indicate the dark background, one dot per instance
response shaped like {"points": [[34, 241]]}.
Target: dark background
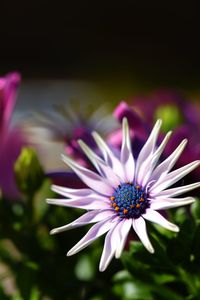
{"points": [[152, 42]]}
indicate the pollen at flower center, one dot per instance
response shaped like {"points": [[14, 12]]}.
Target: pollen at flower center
{"points": [[129, 200]]}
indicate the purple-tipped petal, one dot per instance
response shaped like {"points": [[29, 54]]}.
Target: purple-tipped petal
{"points": [[109, 156], [148, 168], [91, 179], [95, 232], [84, 202], [170, 203], [147, 151], [153, 216], [169, 162], [173, 177], [127, 159], [100, 165], [87, 218], [79, 193], [176, 191]]}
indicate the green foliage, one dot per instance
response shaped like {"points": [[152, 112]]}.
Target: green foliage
{"points": [[38, 268], [172, 272], [171, 116]]}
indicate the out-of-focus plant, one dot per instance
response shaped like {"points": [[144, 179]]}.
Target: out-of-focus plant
{"points": [[176, 111], [30, 259], [11, 138], [33, 265]]}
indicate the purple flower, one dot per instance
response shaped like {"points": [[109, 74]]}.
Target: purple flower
{"points": [[139, 129], [176, 112], [126, 193], [172, 106], [11, 139], [68, 123]]}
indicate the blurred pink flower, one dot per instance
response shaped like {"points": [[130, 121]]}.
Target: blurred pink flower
{"points": [[179, 114], [11, 139]]}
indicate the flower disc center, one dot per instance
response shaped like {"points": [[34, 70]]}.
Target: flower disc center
{"points": [[129, 200]]}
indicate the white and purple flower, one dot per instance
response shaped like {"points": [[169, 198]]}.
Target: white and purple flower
{"points": [[125, 193]]}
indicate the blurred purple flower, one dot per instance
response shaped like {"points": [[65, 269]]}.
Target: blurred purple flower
{"points": [[177, 113], [63, 126], [139, 129], [68, 123], [11, 139]]}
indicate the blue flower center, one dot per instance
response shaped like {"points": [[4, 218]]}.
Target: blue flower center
{"points": [[129, 200]]}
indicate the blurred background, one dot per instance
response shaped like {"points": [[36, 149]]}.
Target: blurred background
{"points": [[101, 53], [119, 48]]}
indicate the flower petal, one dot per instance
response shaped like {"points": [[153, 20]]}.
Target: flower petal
{"points": [[95, 231], [155, 217], [100, 165], [91, 179], [84, 203], [139, 226], [123, 233], [169, 162], [110, 246], [73, 193], [173, 177], [65, 179], [89, 217], [109, 157], [151, 163], [147, 151], [127, 159], [177, 190], [171, 202]]}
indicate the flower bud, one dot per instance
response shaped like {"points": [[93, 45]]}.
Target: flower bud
{"points": [[29, 173]]}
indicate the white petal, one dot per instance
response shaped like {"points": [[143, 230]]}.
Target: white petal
{"points": [[145, 154], [109, 157], [173, 177], [171, 202], [123, 233], [150, 164], [100, 165], [177, 191], [110, 246], [155, 217], [95, 231], [91, 179], [89, 217], [84, 203], [169, 162], [127, 159], [139, 226], [74, 193]]}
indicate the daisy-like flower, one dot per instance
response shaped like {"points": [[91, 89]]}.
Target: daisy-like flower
{"points": [[126, 193]]}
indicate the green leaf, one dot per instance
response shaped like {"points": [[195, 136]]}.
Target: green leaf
{"points": [[39, 204], [195, 210], [179, 248], [84, 268]]}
